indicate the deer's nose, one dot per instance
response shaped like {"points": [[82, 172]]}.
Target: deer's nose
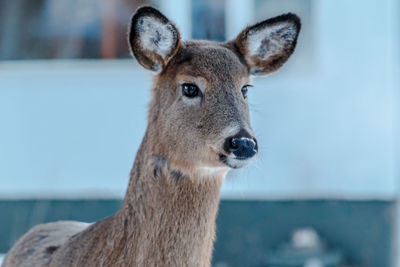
{"points": [[242, 145]]}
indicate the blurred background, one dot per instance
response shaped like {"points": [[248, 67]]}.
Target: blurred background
{"points": [[324, 189]]}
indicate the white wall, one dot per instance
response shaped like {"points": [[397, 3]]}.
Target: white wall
{"points": [[325, 126], [70, 127]]}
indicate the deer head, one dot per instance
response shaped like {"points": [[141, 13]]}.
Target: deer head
{"points": [[199, 115]]}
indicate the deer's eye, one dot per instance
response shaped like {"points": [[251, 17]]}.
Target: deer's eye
{"points": [[190, 90], [245, 89]]}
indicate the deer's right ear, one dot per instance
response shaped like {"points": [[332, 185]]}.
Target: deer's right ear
{"points": [[153, 39]]}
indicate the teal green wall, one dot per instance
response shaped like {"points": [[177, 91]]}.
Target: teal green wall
{"points": [[246, 230]]}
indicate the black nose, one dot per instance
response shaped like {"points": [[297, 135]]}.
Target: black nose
{"points": [[243, 146]]}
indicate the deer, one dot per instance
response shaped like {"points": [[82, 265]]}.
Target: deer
{"points": [[198, 129]]}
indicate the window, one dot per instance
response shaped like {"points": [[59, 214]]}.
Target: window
{"points": [[208, 19], [51, 29]]}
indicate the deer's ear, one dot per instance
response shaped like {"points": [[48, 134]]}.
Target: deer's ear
{"points": [[267, 45], [153, 39]]}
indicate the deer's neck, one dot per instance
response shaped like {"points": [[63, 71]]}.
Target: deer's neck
{"points": [[167, 219], [169, 215]]}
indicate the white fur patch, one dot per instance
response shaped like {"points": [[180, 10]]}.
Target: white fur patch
{"points": [[230, 130], [156, 36], [270, 40], [212, 171]]}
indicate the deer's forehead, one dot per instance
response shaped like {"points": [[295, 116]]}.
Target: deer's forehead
{"points": [[212, 61]]}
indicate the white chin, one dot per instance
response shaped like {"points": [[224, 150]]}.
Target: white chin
{"points": [[235, 163]]}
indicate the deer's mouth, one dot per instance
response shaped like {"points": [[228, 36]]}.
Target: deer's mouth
{"points": [[234, 162]]}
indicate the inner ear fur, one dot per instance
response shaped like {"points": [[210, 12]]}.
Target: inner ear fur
{"points": [[153, 39], [265, 46]]}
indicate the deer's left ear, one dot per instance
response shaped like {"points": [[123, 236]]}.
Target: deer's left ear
{"points": [[153, 38], [267, 45]]}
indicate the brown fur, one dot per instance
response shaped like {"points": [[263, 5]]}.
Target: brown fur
{"points": [[168, 214]]}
